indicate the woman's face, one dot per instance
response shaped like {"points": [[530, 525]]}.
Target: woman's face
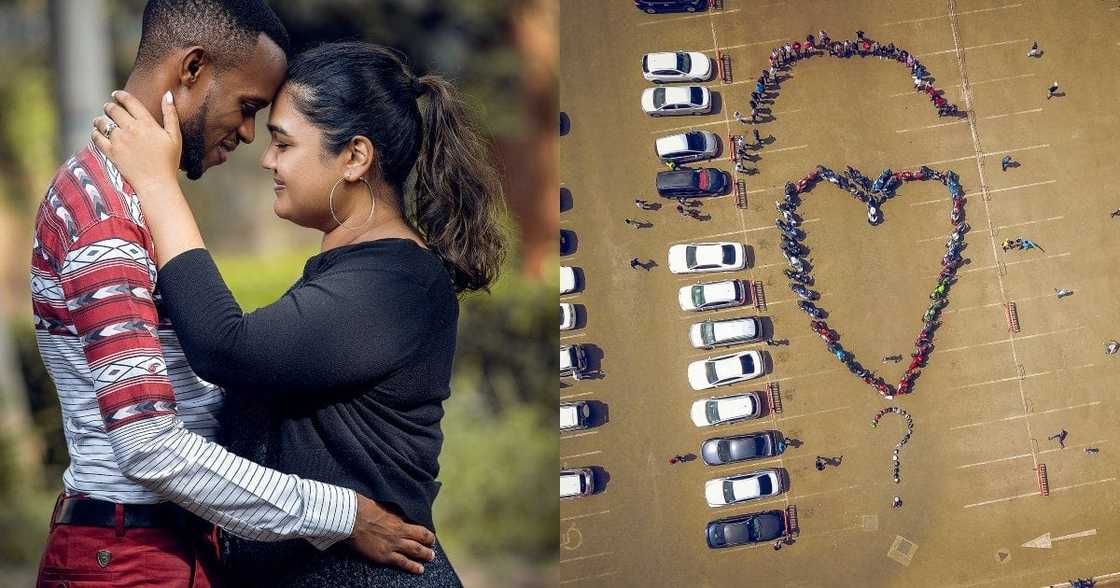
{"points": [[302, 172]]}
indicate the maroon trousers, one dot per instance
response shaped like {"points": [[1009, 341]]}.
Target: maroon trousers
{"points": [[105, 557]]}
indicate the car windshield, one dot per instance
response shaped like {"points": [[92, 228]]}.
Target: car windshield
{"points": [[690, 256], [697, 95], [695, 141], [711, 408], [728, 254], [707, 332], [756, 528], [710, 370], [658, 97], [723, 450], [698, 296], [748, 364], [684, 63], [645, 63], [728, 491], [764, 486]]}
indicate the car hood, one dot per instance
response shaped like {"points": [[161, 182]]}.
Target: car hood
{"points": [[768, 526], [684, 298], [697, 375], [647, 100], [677, 258], [713, 492], [701, 65]]}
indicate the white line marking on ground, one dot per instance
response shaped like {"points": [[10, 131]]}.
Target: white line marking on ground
{"points": [[602, 575], [989, 154], [672, 19], [583, 557], [794, 148], [794, 416], [1025, 415], [573, 436], [888, 24], [589, 453], [574, 336], [990, 191], [686, 127], [963, 122], [1020, 456], [1035, 493], [1022, 224], [584, 516], [569, 396], [991, 81], [946, 51], [1008, 340]]}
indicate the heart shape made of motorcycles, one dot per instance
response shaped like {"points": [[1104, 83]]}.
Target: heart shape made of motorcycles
{"points": [[873, 195]]}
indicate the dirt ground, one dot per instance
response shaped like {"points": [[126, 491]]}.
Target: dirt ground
{"points": [[988, 401]]}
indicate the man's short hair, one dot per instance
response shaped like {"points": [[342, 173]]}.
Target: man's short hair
{"points": [[226, 29]]}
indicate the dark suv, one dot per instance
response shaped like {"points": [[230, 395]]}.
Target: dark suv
{"points": [[655, 6], [692, 182]]}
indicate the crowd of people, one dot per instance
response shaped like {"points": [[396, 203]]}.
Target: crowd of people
{"points": [[873, 194], [905, 437]]}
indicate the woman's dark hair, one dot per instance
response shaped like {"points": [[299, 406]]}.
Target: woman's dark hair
{"points": [[358, 89]]}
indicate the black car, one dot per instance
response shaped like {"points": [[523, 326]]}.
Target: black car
{"points": [[692, 182], [567, 242], [755, 527], [724, 450], [655, 6]]}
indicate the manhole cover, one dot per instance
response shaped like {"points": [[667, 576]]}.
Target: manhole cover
{"points": [[1003, 555], [902, 550]]}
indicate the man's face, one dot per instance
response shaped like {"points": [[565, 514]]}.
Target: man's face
{"points": [[227, 115]]}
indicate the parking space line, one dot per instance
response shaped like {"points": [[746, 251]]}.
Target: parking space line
{"points": [[569, 396], [672, 19], [589, 453], [1025, 415], [1008, 340], [583, 516], [573, 336], [1043, 452], [686, 127], [1018, 300], [913, 20], [1001, 380], [962, 122], [738, 232], [985, 46], [741, 45], [583, 557], [1023, 224], [1007, 263], [809, 375], [801, 496], [794, 148], [584, 434], [602, 575], [990, 191], [794, 416], [1035, 493], [995, 116], [989, 154], [991, 81]]}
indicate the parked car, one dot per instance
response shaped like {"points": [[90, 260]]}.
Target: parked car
{"points": [[743, 488], [713, 295], [725, 450], [709, 334], [569, 282], [707, 181], [575, 415], [687, 147], [755, 527], [726, 409], [576, 482], [676, 66], [725, 370], [694, 258], [573, 361], [676, 101], [567, 316], [655, 6]]}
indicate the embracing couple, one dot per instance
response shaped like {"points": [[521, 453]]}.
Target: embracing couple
{"points": [[327, 402]]}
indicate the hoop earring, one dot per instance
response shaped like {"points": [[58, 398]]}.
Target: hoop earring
{"points": [[372, 203]]}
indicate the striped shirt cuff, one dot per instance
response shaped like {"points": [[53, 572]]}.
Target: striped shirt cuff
{"points": [[331, 512]]}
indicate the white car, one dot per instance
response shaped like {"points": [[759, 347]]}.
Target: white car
{"points": [[709, 334], [567, 316], [575, 415], [677, 66], [576, 482], [713, 295], [568, 281], [726, 409], [744, 487], [676, 100], [573, 361], [697, 258], [687, 147], [724, 370]]}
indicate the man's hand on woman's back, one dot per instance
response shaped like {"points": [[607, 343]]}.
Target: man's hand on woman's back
{"points": [[382, 536]]}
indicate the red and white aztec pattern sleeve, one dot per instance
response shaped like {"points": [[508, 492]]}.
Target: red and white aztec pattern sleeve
{"points": [[107, 278]]}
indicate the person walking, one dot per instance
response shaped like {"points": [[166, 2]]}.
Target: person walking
{"points": [[635, 263], [820, 464], [738, 117], [1112, 347], [1005, 162], [643, 204], [1034, 50], [1060, 437], [637, 224], [1114, 214], [897, 503], [1006, 245], [1052, 91], [758, 141]]}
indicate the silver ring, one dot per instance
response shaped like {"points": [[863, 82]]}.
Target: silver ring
{"points": [[109, 128]]}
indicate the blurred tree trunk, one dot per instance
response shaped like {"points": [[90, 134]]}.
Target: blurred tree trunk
{"points": [[20, 449], [82, 65]]}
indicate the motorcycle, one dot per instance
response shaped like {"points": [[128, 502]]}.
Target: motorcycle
{"points": [[958, 211], [881, 181], [795, 262], [873, 215], [803, 292], [811, 310], [802, 277]]}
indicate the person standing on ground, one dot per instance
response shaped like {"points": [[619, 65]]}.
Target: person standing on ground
{"points": [[634, 263], [738, 117], [1034, 51], [1052, 91], [1005, 162]]}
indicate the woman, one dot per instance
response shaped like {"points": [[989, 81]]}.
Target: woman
{"points": [[343, 378]]}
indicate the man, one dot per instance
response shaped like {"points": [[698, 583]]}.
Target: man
{"points": [[138, 422]]}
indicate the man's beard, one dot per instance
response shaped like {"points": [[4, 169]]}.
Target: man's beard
{"points": [[194, 143]]}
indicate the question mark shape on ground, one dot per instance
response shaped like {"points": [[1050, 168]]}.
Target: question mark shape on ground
{"points": [[896, 463]]}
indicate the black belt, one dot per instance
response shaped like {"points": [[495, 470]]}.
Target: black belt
{"points": [[90, 512]]}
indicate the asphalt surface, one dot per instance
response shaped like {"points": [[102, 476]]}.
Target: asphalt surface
{"points": [[985, 405]]}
